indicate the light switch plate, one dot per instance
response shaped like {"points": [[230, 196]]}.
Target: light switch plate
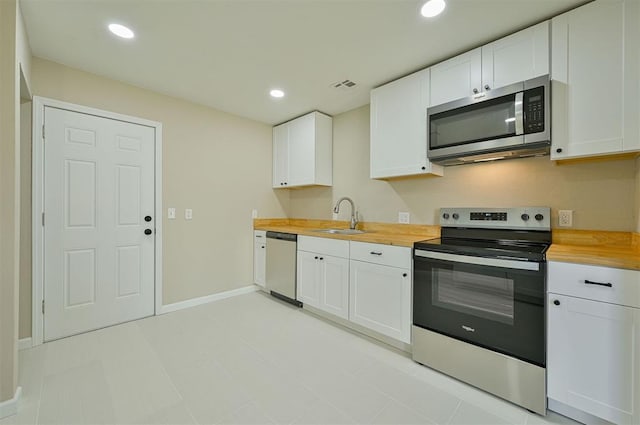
{"points": [[171, 213], [188, 214], [403, 217]]}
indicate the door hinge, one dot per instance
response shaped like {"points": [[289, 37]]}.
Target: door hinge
{"points": [[43, 219], [42, 306], [42, 131]]}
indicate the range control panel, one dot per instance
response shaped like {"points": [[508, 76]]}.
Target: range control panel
{"points": [[532, 218]]}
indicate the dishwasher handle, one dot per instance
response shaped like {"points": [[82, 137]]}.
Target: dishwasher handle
{"points": [[282, 236]]}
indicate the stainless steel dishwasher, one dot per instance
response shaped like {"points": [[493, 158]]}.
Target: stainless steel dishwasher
{"points": [[281, 266]]}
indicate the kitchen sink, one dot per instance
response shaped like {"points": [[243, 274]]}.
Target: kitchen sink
{"points": [[341, 231]]}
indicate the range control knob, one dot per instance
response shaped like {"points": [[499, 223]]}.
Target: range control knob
{"points": [[539, 217], [525, 217], [456, 216], [445, 216]]}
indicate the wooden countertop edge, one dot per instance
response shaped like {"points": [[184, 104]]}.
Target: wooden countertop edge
{"points": [[382, 233], [589, 247]]}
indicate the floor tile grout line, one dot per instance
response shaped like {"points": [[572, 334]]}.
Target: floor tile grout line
{"points": [[164, 370], [454, 412]]}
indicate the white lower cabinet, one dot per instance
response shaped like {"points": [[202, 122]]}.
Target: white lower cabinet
{"points": [[381, 299], [323, 275], [366, 284], [593, 354], [259, 257], [380, 295]]}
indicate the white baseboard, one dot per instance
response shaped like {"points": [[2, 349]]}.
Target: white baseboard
{"points": [[24, 343], [207, 299], [10, 407]]}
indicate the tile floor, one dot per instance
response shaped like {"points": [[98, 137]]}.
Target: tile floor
{"points": [[244, 360]]}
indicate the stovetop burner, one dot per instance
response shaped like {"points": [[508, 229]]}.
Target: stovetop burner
{"points": [[514, 233]]}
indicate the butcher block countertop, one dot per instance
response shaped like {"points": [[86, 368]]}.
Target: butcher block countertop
{"points": [[383, 233], [591, 247], [596, 248]]}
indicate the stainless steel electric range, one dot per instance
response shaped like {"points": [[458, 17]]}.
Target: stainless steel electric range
{"points": [[479, 301]]}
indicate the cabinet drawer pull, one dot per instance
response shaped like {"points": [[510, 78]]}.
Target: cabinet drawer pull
{"points": [[590, 282], [375, 253]]}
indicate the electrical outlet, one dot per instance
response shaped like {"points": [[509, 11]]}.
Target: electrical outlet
{"points": [[171, 213], [403, 217], [565, 218], [254, 213], [188, 214]]}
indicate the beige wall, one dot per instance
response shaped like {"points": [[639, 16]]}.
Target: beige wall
{"points": [[213, 162], [10, 196], [601, 194]]}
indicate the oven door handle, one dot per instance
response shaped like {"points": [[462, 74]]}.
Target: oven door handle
{"points": [[481, 261]]}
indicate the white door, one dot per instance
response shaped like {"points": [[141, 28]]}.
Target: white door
{"points": [[334, 285], [98, 190], [592, 356], [398, 127], [456, 78], [380, 299], [308, 281]]}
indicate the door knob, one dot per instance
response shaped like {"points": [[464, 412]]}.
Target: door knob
{"points": [[147, 218], [147, 231]]}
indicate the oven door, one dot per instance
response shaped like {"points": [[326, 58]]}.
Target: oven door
{"points": [[494, 303]]}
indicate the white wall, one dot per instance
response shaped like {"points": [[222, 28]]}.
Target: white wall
{"points": [[600, 193]]}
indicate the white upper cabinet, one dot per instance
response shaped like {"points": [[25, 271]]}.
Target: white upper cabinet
{"points": [[399, 129], [456, 78], [595, 80], [303, 151], [517, 57]]}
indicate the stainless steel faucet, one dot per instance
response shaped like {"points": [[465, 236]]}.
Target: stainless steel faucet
{"points": [[354, 213]]}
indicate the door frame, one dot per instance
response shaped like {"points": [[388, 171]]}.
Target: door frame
{"points": [[37, 206]]}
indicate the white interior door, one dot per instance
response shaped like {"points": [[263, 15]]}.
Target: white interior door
{"points": [[98, 194]]}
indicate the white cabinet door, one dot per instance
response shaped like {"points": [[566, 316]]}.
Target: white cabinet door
{"points": [[398, 128], [456, 78], [302, 151], [334, 285], [593, 357], [594, 71], [308, 279], [259, 258], [515, 58], [380, 299], [280, 155]]}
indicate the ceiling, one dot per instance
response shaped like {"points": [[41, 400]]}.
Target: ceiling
{"points": [[228, 54]]}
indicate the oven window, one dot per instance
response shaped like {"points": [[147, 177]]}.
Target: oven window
{"points": [[488, 297]]}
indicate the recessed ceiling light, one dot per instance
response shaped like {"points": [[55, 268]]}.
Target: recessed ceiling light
{"points": [[432, 8], [121, 31], [276, 93]]}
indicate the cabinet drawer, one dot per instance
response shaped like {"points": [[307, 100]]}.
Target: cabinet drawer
{"points": [[388, 255], [260, 235], [326, 246], [570, 279]]}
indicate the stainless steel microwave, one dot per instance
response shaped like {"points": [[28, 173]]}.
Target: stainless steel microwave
{"points": [[508, 122]]}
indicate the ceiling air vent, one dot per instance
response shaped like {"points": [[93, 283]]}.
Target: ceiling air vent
{"points": [[344, 85]]}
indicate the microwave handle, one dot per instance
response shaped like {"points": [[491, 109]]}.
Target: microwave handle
{"points": [[519, 114]]}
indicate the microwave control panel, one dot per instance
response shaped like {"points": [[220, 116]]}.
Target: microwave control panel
{"points": [[534, 110]]}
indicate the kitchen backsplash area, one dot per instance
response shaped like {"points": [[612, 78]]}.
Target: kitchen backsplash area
{"points": [[602, 194]]}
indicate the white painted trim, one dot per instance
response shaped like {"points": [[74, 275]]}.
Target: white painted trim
{"points": [[37, 205], [24, 343], [10, 407], [208, 299]]}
